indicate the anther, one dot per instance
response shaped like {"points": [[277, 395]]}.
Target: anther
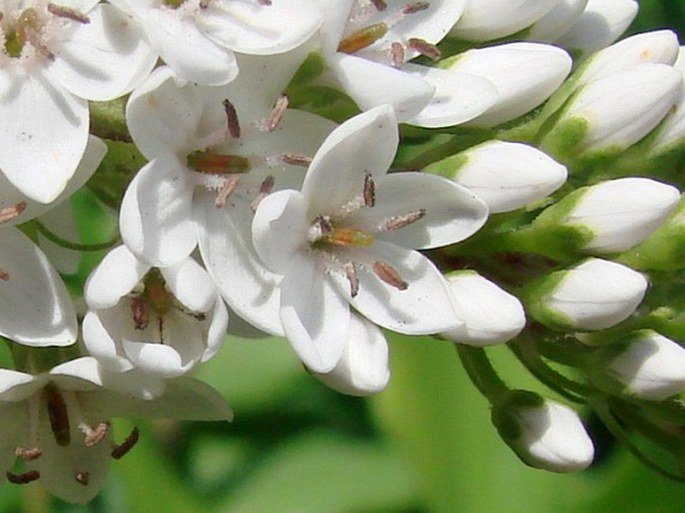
{"points": [[369, 191], [139, 312], [296, 160], [82, 477], [265, 189], [9, 213], [204, 4], [58, 415], [352, 277], [68, 13], [95, 435], [277, 113], [380, 5], [122, 449], [389, 275], [414, 7], [264, 2], [397, 55], [229, 185], [362, 38], [397, 222], [323, 224], [4, 275], [425, 48], [26, 477], [27, 454], [231, 119]]}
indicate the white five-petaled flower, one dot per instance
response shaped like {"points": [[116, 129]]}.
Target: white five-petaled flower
{"points": [[161, 320], [58, 422], [53, 59], [345, 241]]}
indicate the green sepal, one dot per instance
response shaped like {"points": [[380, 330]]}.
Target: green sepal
{"points": [[448, 167], [505, 414]]}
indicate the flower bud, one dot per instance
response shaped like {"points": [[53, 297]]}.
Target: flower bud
{"points": [[649, 365], [483, 20], [490, 315], [615, 111], [543, 433], [593, 295], [602, 22], [525, 75], [506, 175], [672, 131], [558, 21]]}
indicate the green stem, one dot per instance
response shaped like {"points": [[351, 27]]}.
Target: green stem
{"points": [[481, 372], [52, 237]]}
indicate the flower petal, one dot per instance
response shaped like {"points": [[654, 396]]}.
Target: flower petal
{"points": [[191, 285], [116, 276]]}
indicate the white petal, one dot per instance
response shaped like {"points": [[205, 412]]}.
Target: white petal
{"points": [[191, 285], [18, 386], [116, 276], [103, 59], [315, 316], [216, 335], [558, 21], [157, 359], [102, 341], [36, 162], [156, 213], [36, 307]]}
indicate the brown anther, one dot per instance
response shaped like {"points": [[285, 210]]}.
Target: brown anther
{"points": [[323, 224], [389, 275], [139, 311], [25, 478], [352, 277], [425, 48], [277, 113], [9, 213], [231, 119], [1, 16], [414, 7], [265, 189], [296, 160], [380, 5], [397, 222], [397, 55], [4, 275], [369, 191], [264, 2], [68, 13], [28, 454], [33, 38], [204, 4], [95, 435], [82, 477], [122, 449], [57, 415], [229, 185]]}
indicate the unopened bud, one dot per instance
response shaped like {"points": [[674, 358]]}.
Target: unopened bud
{"points": [[557, 22]]}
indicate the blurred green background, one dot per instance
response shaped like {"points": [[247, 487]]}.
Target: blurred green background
{"points": [[425, 445]]}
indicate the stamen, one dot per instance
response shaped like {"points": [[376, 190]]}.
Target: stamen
{"points": [[231, 119], [362, 38], [369, 191], [9, 213], [95, 435], [414, 7], [425, 48], [218, 164], [58, 415], [296, 160], [397, 222], [389, 275], [379, 5], [204, 4], [82, 477], [397, 55], [323, 224], [141, 316], [352, 277], [122, 449], [27, 454], [29, 34], [265, 189], [69, 13], [4, 275], [229, 185], [264, 2], [277, 113], [25, 478]]}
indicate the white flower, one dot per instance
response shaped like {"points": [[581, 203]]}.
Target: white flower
{"points": [[197, 38], [506, 175], [593, 295], [490, 314], [344, 241], [558, 21], [202, 183], [484, 20], [161, 320], [650, 365], [58, 422], [367, 49], [524, 74], [544, 433], [54, 58]]}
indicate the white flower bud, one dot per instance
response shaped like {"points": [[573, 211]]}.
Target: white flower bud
{"points": [[558, 21], [593, 295], [543, 433], [483, 20], [602, 22], [621, 213], [490, 315], [616, 111], [525, 75], [506, 175], [651, 366], [672, 131]]}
